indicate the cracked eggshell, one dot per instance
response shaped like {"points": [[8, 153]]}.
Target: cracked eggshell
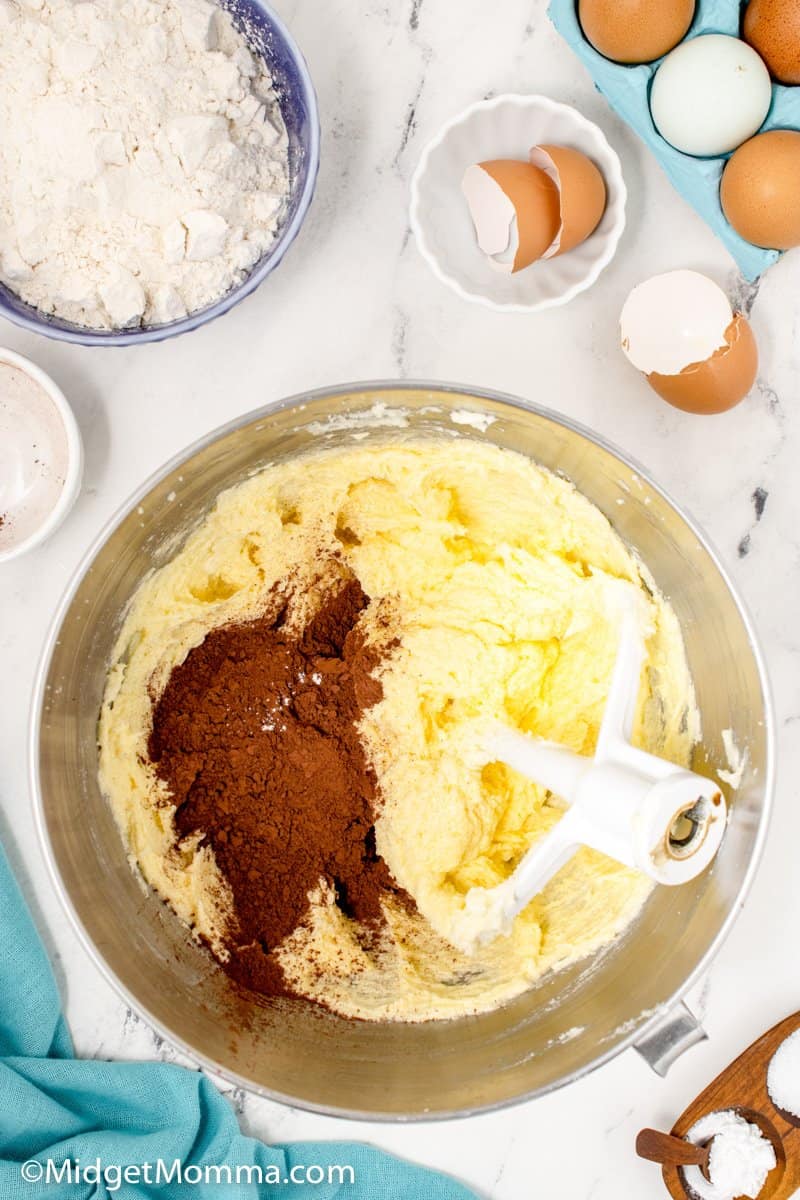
{"points": [[680, 331], [720, 382], [582, 194], [515, 210]]}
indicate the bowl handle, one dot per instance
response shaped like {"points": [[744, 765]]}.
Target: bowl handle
{"points": [[677, 1031]]}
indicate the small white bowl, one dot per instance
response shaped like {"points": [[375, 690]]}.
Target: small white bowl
{"points": [[507, 127], [41, 459]]}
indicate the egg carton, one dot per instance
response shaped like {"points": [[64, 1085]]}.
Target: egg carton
{"points": [[627, 89]]}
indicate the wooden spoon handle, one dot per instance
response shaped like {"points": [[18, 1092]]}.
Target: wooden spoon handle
{"points": [[664, 1148]]}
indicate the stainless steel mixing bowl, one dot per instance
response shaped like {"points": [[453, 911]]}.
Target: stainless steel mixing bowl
{"points": [[571, 1022]]}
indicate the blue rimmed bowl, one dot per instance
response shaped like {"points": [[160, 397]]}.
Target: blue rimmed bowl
{"points": [[268, 37]]}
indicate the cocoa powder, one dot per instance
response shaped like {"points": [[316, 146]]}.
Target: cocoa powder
{"points": [[255, 736]]}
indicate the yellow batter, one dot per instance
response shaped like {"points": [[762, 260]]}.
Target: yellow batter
{"points": [[492, 571]]}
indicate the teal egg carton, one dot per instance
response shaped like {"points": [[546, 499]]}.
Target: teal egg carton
{"points": [[627, 90]]}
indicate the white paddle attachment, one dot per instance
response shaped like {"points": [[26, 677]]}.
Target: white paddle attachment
{"points": [[632, 806]]}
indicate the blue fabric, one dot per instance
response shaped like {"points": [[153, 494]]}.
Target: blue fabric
{"points": [[53, 1106], [627, 90]]}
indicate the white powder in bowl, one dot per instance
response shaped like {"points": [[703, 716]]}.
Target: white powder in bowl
{"points": [[34, 456], [143, 162], [783, 1075], [740, 1158]]}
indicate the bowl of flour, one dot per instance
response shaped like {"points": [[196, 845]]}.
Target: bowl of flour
{"points": [[158, 159]]}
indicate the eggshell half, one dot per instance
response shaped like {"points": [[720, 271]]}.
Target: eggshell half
{"points": [[582, 194], [674, 320], [718, 383], [513, 203]]}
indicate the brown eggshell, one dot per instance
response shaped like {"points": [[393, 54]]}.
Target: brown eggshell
{"points": [[536, 202], [772, 27], [720, 382], [583, 195], [635, 31], [760, 190]]}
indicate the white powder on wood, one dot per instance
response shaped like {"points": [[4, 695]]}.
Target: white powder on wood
{"points": [[143, 160], [783, 1075], [740, 1158]]}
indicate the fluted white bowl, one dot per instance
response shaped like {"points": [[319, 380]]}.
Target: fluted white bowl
{"points": [[507, 127]]}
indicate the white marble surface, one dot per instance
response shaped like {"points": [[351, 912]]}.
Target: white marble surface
{"points": [[354, 301]]}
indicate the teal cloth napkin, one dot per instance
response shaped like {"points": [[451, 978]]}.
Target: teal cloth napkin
{"points": [[627, 89], [54, 1106]]}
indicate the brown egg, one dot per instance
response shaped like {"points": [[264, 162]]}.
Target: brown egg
{"points": [[772, 27], [720, 382], [680, 331], [582, 192], [635, 31], [760, 190], [522, 191]]}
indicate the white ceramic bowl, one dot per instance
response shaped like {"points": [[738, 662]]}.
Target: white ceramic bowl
{"points": [[41, 462], [507, 127]]}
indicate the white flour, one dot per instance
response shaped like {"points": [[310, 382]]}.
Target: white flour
{"points": [[34, 456], [739, 1162], [143, 160], [783, 1075]]}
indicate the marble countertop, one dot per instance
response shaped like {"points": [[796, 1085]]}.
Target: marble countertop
{"points": [[355, 301]]}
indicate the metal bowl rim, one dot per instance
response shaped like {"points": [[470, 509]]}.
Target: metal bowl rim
{"points": [[300, 401]]}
